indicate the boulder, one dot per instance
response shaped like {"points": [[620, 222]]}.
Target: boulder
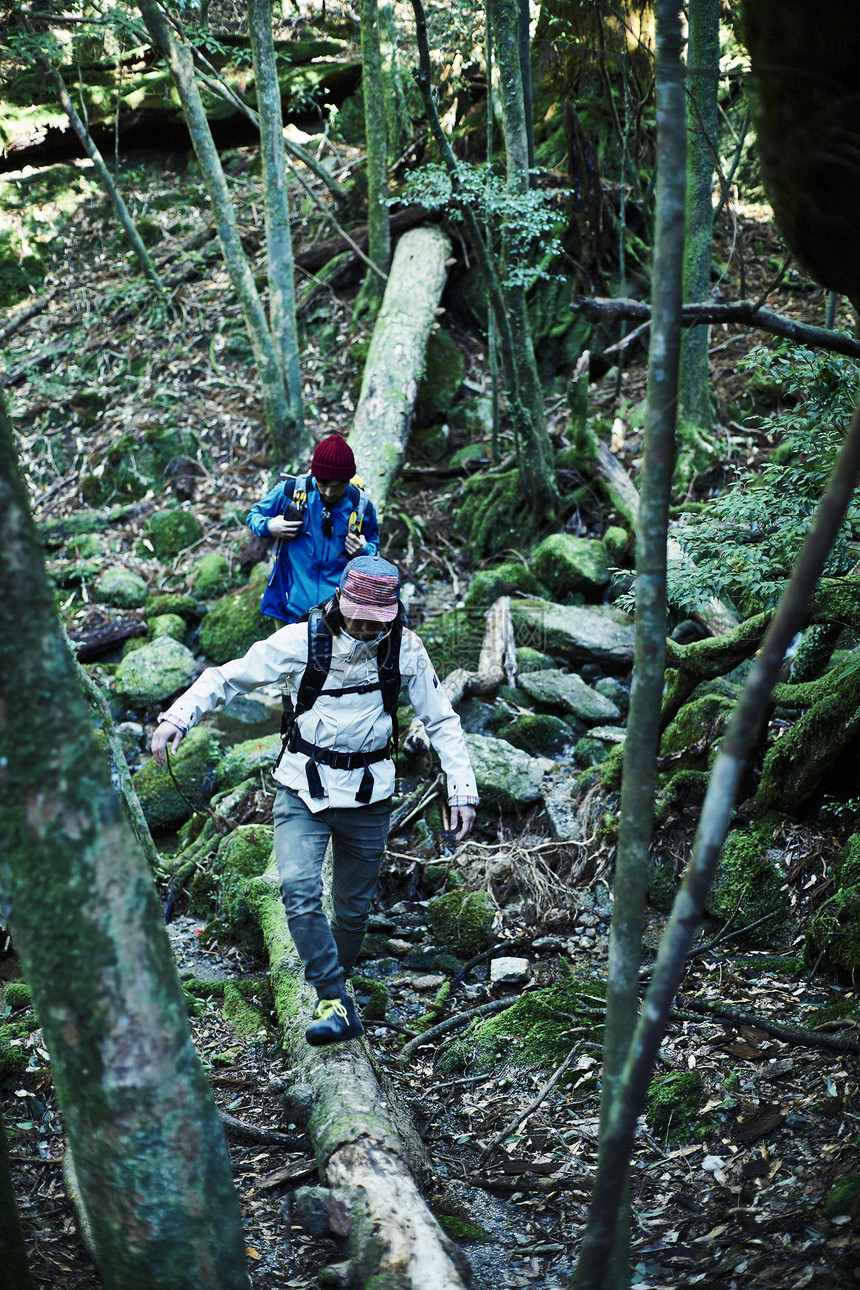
{"points": [[598, 634], [567, 691], [566, 564], [164, 806], [167, 625], [250, 757], [153, 673], [121, 587], [539, 734], [507, 777], [234, 625], [170, 532], [211, 575]]}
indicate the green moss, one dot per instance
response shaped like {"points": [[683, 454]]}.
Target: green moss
{"points": [[672, 1105], [166, 625], [376, 1005], [185, 607], [590, 752], [847, 867], [211, 575], [443, 376], [697, 718], [748, 885], [662, 885], [164, 805], [502, 580], [842, 1198], [17, 995], [220, 890], [247, 1005], [495, 515], [234, 625], [463, 921], [121, 587], [171, 532], [566, 564], [835, 930], [685, 788], [536, 1030], [460, 1230], [250, 758]]}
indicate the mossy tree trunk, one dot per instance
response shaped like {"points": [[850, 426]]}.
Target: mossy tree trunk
{"points": [[279, 239], [362, 1148], [142, 1127], [396, 115], [376, 138], [607, 1235], [703, 71], [287, 436], [505, 19]]}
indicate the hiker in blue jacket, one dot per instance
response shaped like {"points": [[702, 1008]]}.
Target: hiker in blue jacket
{"points": [[321, 521]]}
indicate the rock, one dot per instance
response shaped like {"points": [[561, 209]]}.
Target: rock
{"points": [[242, 855], [245, 718], [566, 690], [166, 625], [476, 717], [501, 580], [172, 602], [611, 688], [595, 635], [398, 948], [234, 625], [463, 921], [539, 735], [618, 544], [130, 734], [251, 757], [170, 532], [510, 971], [561, 813], [121, 587], [211, 575], [164, 807], [154, 672], [608, 734], [507, 778], [566, 564]]}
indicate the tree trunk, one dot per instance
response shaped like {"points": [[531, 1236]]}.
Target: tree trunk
{"points": [[536, 451], [376, 138], [703, 71], [279, 241], [288, 443], [394, 1243], [14, 1269], [643, 725], [144, 1132], [396, 114], [396, 358]]}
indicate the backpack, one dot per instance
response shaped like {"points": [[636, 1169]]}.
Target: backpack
{"points": [[296, 488], [311, 687]]}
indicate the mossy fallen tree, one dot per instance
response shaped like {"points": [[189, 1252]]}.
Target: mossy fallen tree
{"points": [[394, 1243], [396, 357]]}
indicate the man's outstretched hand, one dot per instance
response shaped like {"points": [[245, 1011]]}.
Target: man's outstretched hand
{"points": [[462, 819], [166, 736]]}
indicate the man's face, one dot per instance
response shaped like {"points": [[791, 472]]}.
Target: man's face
{"points": [[363, 629], [331, 490]]}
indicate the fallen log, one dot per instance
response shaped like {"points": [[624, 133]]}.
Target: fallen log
{"points": [[107, 636], [396, 357], [394, 1242]]}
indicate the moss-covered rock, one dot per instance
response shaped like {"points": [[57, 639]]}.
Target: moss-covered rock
{"points": [[534, 1031], [234, 625], [566, 564], [843, 1197], [541, 736], [598, 634], [185, 607], [171, 532], [371, 997], [153, 673], [501, 580], [164, 805], [167, 625], [220, 890], [847, 867], [705, 716], [567, 692], [835, 930], [17, 995], [211, 576], [618, 545], [247, 1006], [673, 1104], [462, 921], [249, 758], [507, 777], [749, 884], [121, 587], [532, 660]]}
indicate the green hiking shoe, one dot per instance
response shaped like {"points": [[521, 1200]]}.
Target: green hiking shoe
{"points": [[334, 1021]]}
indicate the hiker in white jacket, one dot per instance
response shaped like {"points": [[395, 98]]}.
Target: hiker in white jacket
{"points": [[335, 776]]}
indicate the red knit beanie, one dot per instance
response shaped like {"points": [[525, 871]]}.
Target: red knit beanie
{"points": [[333, 459]]}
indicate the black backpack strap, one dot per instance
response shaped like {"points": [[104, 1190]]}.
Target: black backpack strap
{"points": [[390, 680], [318, 664]]}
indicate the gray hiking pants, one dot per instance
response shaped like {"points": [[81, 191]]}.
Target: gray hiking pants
{"points": [[358, 835]]}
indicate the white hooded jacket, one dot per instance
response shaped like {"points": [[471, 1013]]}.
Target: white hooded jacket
{"points": [[351, 723]]}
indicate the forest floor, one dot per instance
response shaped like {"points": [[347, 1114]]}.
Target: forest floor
{"points": [[734, 1199]]}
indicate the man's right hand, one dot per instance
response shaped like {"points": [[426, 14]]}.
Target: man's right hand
{"points": [[285, 529], [166, 735]]}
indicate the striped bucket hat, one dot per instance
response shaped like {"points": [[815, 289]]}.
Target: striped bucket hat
{"points": [[369, 588]]}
